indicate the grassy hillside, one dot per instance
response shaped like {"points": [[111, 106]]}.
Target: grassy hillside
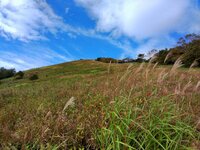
{"points": [[93, 105]]}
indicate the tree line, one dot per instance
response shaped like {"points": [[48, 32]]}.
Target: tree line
{"points": [[140, 58], [7, 73], [187, 50]]}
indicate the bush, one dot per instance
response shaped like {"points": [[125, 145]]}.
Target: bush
{"points": [[140, 58], [19, 75], [192, 53], [161, 55], [6, 73], [33, 77], [107, 60], [188, 49]]}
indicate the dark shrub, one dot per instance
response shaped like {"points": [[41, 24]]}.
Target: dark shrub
{"points": [[107, 60], [187, 49], [6, 73], [33, 77], [19, 75], [192, 53], [140, 58]]}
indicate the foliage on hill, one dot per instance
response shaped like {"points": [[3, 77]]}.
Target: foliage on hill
{"points": [[33, 76], [140, 58], [107, 60], [6, 73], [19, 75], [187, 49]]}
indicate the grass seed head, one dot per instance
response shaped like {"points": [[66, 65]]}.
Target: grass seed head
{"points": [[176, 65], [194, 64], [186, 87], [70, 102], [197, 86]]}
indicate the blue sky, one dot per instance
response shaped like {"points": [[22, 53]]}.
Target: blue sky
{"points": [[35, 33]]}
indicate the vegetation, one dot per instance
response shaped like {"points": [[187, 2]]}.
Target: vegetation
{"points": [[33, 76], [121, 61], [188, 49], [94, 105], [19, 75], [107, 60], [6, 73]]}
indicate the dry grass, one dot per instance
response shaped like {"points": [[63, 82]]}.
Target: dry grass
{"points": [[114, 98]]}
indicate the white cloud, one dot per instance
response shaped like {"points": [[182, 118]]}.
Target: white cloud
{"points": [[156, 43], [140, 19], [7, 64], [27, 19], [24, 59]]}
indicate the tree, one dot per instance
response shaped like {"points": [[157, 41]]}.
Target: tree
{"points": [[141, 56], [192, 37], [106, 60], [181, 42], [19, 75], [188, 50], [6, 73], [152, 52], [161, 55], [192, 53]]}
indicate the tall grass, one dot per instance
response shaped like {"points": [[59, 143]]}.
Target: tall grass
{"points": [[138, 127], [143, 106], [149, 121]]}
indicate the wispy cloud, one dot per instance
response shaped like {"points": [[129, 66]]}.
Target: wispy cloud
{"points": [[92, 33], [33, 58], [28, 19], [7, 64]]}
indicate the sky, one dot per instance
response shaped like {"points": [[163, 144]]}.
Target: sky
{"points": [[36, 33]]}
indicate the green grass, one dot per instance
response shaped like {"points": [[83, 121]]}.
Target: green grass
{"points": [[127, 129], [117, 106]]}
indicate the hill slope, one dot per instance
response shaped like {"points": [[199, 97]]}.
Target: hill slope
{"points": [[89, 104]]}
